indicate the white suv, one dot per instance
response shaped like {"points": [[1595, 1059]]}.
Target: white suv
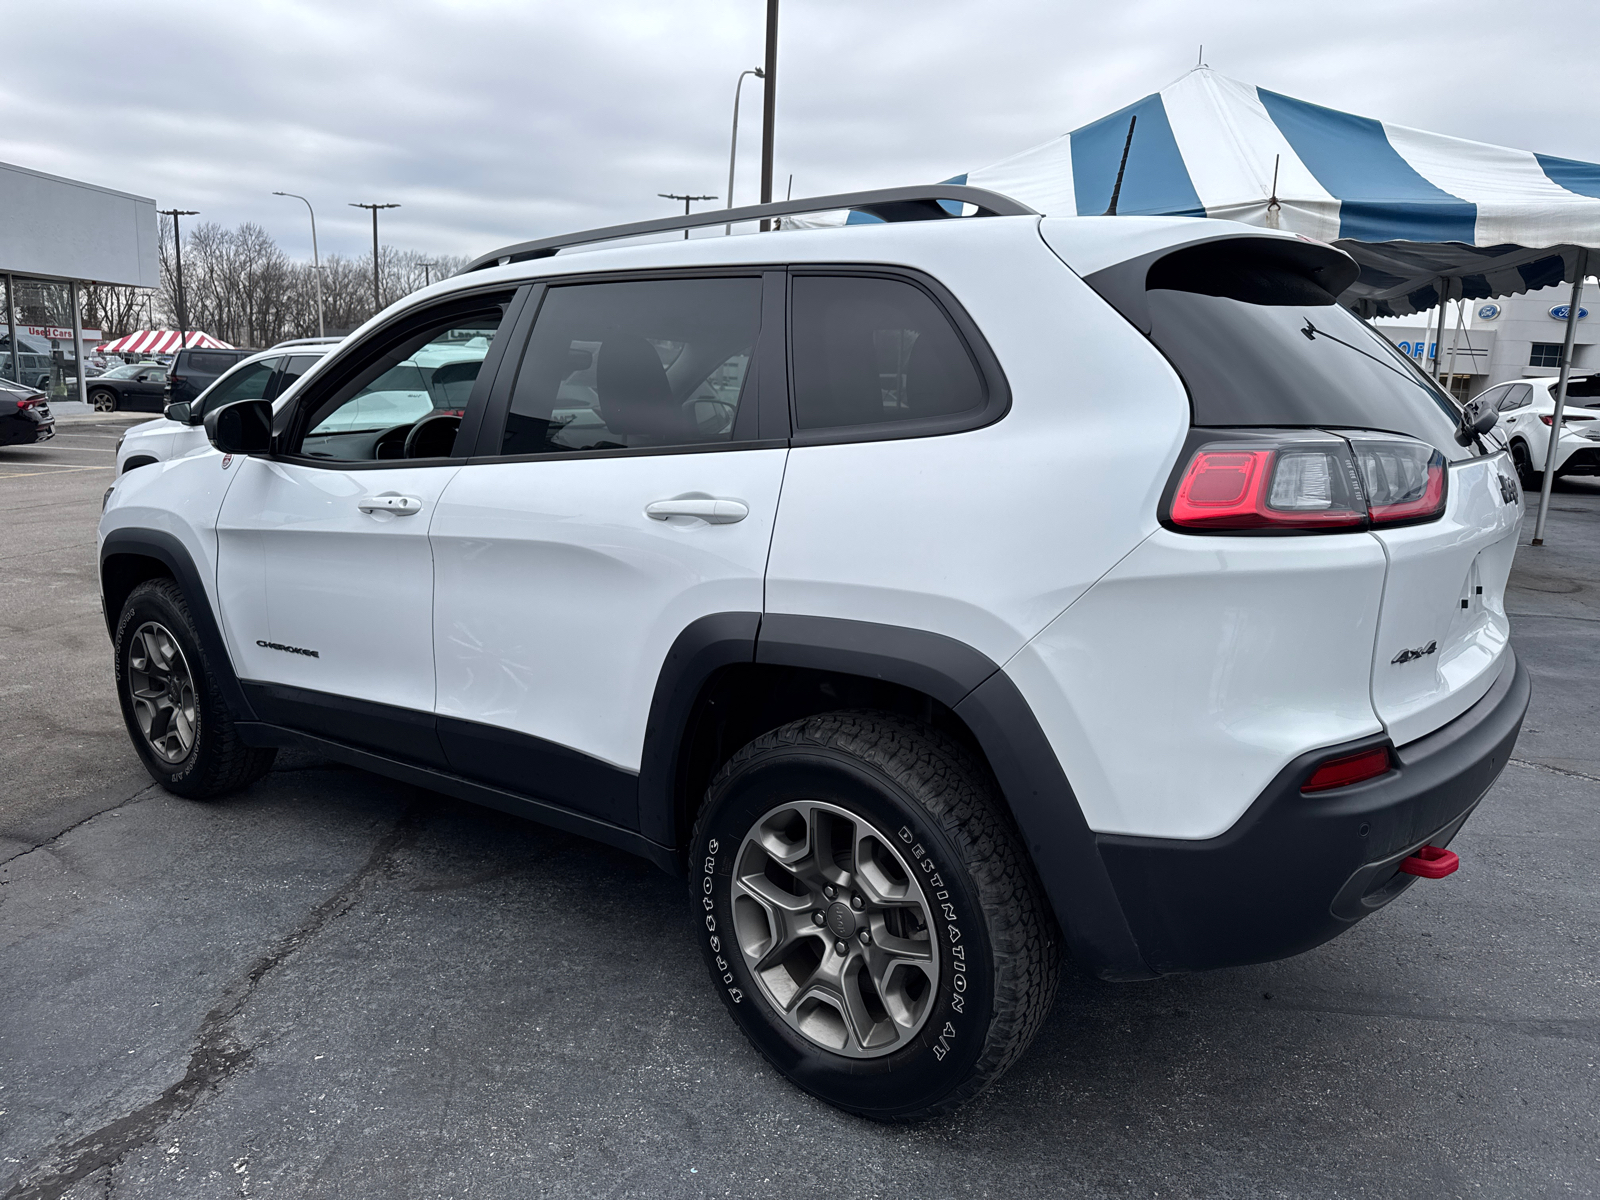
{"points": [[935, 595], [180, 429]]}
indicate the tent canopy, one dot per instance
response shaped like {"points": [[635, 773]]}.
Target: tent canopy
{"points": [[160, 341], [1408, 205]]}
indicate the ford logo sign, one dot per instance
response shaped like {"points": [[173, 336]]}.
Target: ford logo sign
{"points": [[1488, 312], [1559, 312]]}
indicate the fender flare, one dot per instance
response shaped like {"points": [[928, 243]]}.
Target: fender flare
{"points": [[1031, 778], [171, 553]]}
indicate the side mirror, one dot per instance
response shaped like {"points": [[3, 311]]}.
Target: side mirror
{"points": [[243, 427], [178, 412], [1476, 420]]}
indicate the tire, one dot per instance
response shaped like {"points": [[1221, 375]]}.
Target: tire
{"points": [[1531, 480], [103, 401], [170, 701], [910, 815]]}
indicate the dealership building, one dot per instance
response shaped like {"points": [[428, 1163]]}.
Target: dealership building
{"points": [[58, 235], [1511, 338]]}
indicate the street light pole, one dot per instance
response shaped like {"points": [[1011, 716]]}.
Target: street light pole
{"points": [[733, 144], [685, 199], [316, 263], [177, 252], [769, 107], [425, 280], [377, 296]]}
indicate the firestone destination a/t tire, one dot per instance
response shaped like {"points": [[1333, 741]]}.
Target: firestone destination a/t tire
{"points": [[167, 687], [868, 914]]}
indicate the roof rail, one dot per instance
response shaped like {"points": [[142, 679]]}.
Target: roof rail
{"points": [[889, 204]]}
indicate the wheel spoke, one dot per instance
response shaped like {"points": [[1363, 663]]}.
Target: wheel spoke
{"points": [[160, 689]]}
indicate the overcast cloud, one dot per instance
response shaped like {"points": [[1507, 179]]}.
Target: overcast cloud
{"points": [[492, 121]]}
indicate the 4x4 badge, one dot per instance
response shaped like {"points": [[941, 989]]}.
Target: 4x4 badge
{"points": [[1406, 656]]}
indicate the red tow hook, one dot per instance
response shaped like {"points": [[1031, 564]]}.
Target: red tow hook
{"points": [[1431, 862]]}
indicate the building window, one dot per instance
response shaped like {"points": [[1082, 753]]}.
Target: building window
{"points": [[1545, 354]]}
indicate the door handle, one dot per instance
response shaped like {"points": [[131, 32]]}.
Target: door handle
{"points": [[399, 506], [713, 512]]}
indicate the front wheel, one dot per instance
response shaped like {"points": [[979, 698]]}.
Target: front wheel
{"points": [[869, 916], [103, 401], [1531, 479], [167, 687]]}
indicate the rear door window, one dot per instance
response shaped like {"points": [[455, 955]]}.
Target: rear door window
{"points": [[1519, 395], [245, 383], [868, 351], [636, 365]]}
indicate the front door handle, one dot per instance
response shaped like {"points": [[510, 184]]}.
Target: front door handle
{"points": [[399, 506], [713, 512]]}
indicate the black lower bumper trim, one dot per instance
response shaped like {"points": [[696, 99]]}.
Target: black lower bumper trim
{"points": [[1299, 869]]}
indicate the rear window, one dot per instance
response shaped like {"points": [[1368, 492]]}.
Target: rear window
{"points": [[1261, 343], [204, 360]]}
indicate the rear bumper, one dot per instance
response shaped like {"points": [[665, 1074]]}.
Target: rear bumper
{"points": [[1583, 461], [1297, 870]]}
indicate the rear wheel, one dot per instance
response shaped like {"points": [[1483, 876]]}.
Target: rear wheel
{"points": [[103, 400], [170, 701], [1531, 479], [869, 916]]}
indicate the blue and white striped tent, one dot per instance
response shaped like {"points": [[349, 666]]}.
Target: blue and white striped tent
{"points": [[1412, 207]]}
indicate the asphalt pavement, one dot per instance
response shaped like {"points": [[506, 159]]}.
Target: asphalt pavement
{"points": [[335, 985]]}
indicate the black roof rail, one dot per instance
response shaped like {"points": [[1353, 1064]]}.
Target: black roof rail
{"points": [[891, 204]]}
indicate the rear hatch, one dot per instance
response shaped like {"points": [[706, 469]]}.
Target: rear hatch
{"points": [[1274, 366]]}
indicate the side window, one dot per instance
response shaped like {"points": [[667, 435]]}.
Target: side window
{"points": [[290, 371], [614, 366], [406, 400], [243, 383], [868, 350], [1519, 396]]}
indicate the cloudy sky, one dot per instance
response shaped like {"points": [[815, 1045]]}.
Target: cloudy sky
{"points": [[492, 121]]}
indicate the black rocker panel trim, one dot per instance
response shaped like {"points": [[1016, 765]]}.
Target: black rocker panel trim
{"points": [[555, 816], [170, 552], [1296, 870], [704, 647], [532, 766], [1025, 765], [383, 728], [503, 759]]}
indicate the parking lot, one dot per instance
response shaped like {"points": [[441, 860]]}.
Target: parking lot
{"points": [[333, 984]]}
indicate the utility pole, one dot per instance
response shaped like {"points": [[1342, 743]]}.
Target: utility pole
{"points": [[425, 266], [733, 143], [686, 200], [177, 252], [769, 107], [377, 295], [316, 263]]}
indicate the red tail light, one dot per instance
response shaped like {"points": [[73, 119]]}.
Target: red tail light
{"points": [[1550, 418], [1353, 768], [1309, 484], [29, 402]]}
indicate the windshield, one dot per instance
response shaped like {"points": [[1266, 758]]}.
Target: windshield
{"points": [[1296, 365], [125, 372]]}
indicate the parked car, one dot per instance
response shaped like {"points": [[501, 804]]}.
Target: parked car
{"points": [[936, 596], [140, 387], [193, 371], [25, 416], [33, 370], [1527, 409], [264, 376]]}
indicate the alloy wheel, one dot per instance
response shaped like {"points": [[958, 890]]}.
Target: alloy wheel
{"points": [[835, 928], [104, 402], [162, 690]]}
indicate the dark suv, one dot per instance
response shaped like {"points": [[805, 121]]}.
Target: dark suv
{"points": [[193, 371]]}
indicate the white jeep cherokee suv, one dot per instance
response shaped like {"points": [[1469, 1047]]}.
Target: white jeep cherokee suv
{"points": [[937, 596]]}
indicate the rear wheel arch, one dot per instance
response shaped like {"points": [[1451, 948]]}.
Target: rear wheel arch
{"points": [[733, 677]]}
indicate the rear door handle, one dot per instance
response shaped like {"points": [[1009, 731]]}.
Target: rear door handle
{"points": [[714, 512], [399, 506]]}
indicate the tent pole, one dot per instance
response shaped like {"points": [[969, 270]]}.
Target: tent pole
{"points": [[1438, 338], [1561, 396]]}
